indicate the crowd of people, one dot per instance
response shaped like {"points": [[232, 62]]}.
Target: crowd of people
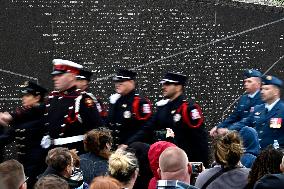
{"points": [[70, 140]]}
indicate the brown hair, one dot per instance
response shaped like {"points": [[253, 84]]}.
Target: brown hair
{"points": [[96, 140], [105, 182], [228, 149], [51, 182], [11, 174], [58, 158], [267, 162]]}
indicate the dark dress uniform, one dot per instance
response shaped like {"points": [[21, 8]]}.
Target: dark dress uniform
{"points": [[26, 129], [127, 115], [184, 118], [69, 115], [245, 104], [268, 124], [187, 122]]}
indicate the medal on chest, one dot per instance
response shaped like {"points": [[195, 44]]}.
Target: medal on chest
{"points": [[275, 123], [127, 114], [177, 117]]}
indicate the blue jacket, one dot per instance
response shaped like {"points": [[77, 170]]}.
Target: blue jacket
{"points": [[261, 121], [251, 146], [242, 110]]}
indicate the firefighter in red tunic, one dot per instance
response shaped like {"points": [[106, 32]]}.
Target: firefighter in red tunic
{"points": [[183, 117]]}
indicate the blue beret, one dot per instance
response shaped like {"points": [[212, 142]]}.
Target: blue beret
{"points": [[174, 78], [124, 75], [271, 80], [252, 73]]}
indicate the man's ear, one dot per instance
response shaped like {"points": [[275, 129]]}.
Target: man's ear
{"points": [[159, 172], [189, 168]]}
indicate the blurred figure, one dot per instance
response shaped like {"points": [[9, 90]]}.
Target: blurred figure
{"points": [[128, 110], [105, 182], [83, 80], [124, 167], [145, 174], [267, 162], [174, 169], [83, 83], [97, 143], [252, 85], [12, 175], [25, 127], [153, 155], [51, 182], [269, 181], [227, 174], [250, 144], [70, 113]]}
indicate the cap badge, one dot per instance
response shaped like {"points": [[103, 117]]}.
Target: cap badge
{"points": [[269, 77]]}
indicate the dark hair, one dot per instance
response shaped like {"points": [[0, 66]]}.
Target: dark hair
{"points": [[96, 140], [267, 162], [58, 158], [228, 149], [51, 182], [11, 174]]}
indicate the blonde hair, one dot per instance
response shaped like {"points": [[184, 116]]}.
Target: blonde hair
{"points": [[122, 165], [228, 149]]}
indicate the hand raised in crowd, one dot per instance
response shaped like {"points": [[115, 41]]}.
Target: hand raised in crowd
{"points": [[170, 133], [213, 132]]}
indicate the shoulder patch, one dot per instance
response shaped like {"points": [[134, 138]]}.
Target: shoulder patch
{"points": [[162, 102], [89, 102], [146, 109], [195, 114], [113, 98]]}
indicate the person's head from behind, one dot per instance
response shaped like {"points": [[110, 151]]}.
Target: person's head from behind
{"points": [[105, 182], [267, 162], [12, 175], [98, 141], [228, 149], [174, 165], [51, 182], [123, 166], [60, 159]]}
